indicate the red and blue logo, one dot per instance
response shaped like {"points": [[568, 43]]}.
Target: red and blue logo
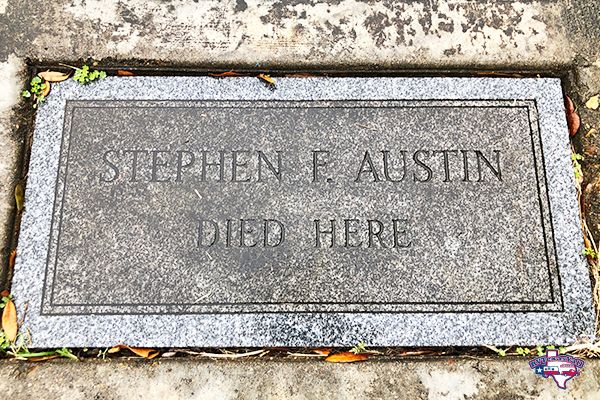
{"points": [[561, 368]]}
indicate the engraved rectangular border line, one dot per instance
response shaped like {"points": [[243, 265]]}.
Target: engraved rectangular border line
{"points": [[556, 304]]}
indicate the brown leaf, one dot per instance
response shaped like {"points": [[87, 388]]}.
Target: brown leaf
{"points": [[46, 90], [323, 351], [11, 259], [146, 353], [569, 105], [19, 196], [266, 78], [346, 357], [9, 321], [573, 120], [124, 72], [586, 243], [224, 74], [43, 358], [53, 76], [4, 293]]}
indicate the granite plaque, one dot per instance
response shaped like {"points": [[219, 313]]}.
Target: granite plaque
{"points": [[218, 212]]}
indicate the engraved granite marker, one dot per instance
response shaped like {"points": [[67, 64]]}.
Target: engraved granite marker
{"points": [[394, 211]]}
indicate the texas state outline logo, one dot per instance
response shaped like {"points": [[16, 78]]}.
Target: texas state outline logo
{"points": [[561, 368]]}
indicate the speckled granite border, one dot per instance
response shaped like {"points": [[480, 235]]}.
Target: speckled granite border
{"points": [[303, 329]]}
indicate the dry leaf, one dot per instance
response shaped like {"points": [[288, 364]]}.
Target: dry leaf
{"points": [[414, 352], [593, 103], [228, 354], [9, 321], [323, 352], [19, 196], [573, 120], [146, 353], [224, 74], [113, 350], [53, 76], [346, 357], [11, 259], [266, 78], [123, 72], [569, 105], [46, 91], [4, 293], [43, 358]]}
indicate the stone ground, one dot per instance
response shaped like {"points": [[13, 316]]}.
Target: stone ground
{"points": [[399, 37], [300, 379]]}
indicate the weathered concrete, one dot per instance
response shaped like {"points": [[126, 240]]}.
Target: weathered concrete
{"points": [[582, 22], [301, 33], [586, 84], [442, 378], [12, 73]]}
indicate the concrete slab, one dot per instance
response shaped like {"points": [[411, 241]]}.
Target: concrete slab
{"points": [[12, 73], [433, 379], [300, 34]]}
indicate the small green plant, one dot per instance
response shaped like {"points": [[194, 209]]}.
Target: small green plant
{"points": [[38, 89], [589, 252], [4, 343], [102, 353], [361, 347], [500, 352], [20, 351], [541, 350], [577, 166], [66, 353], [85, 75], [19, 348], [24, 354], [523, 351], [5, 300]]}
